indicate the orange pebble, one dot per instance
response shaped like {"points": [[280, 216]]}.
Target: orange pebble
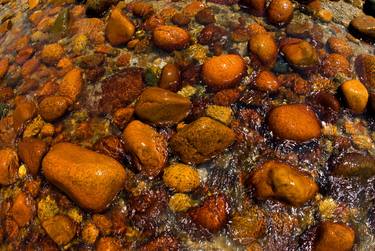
{"points": [[223, 71]]}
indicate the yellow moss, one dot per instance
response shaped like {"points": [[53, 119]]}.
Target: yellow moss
{"points": [[220, 113], [187, 91], [180, 202], [198, 52], [75, 214], [330, 130], [47, 208], [327, 208]]}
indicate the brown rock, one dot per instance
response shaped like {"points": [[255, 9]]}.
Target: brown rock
{"points": [[356, 95], [255, 7], [71, 84], [170, 38], [248, 225], [90, 233], [25, 110], [170, 78], [122, 117], [334, 64], [334, 236], [205, 16], [365, 68], [264, 47], [121, 89], [52, 53], [201, 140], [280, 12], [300, 54], [294, 122], [108, 244], [53, 107], [6, 93], [31, 152], [112, 146], [339, 46], [280, 181], [147, 146], [29, 67], [60, 228], [266, 81], [140, 9], [23, 209], [162, 107], [223, 71], [355, 164], [365, 26], [212, 214], [89, 178], [180, 19], [119, 29], [4, 66], [161, 243]]}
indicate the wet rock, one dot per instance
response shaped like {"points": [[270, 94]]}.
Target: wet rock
{"points": [[52, 53], [159, 243], [60, 228], [266, 81], [224, 2], [201, 140], [112, 146], [356, 95], [147, 146], [300, 54], [122, 117], [294, 122], [339, 46], [182, 178], [162, 107], [280, 12], [334, 64], [326, 105], [71, 84], [119, 29], [170, 38], [121, 89], [212, 34], [25, 111], [89, 178], [93, 28], [364, 66], [355, 164], [334, 236], [226, 97], [180, 19], [153, 22], [170, 78], [23, 209], [280, 181], [212, 214], [108, 244], [205, 16], [363, 26], [264, 47], [31, 152], [4, 66], [248, 225], [255, 7], [223, 71], [140, 9], [53, 107], [97, 8]]}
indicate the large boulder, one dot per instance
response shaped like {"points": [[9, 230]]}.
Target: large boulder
{"points": [[89, 178]]}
